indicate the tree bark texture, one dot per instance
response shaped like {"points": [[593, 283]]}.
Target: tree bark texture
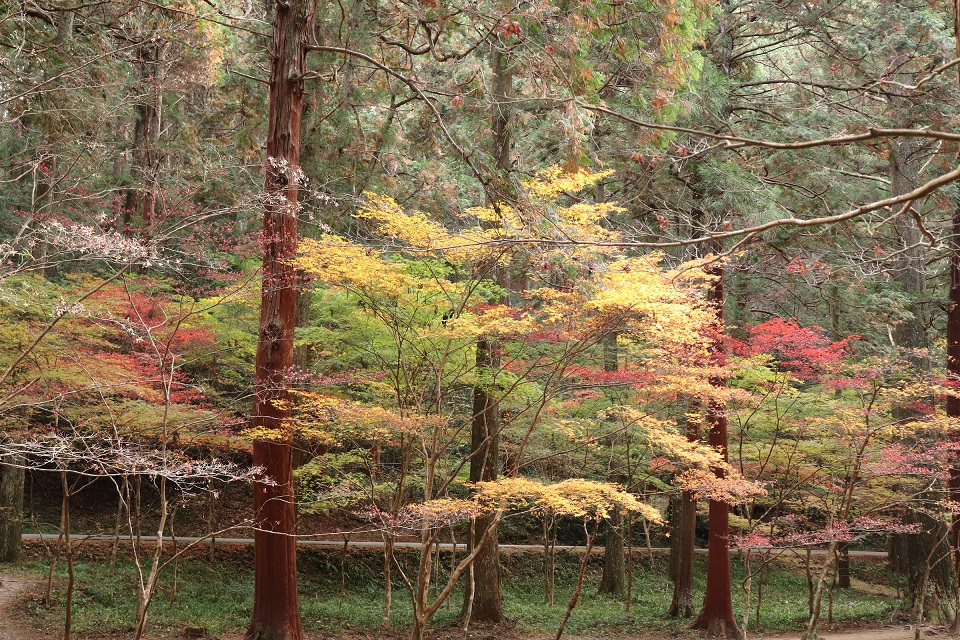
{"points": [[682, 604], [716, 617], [276, 612], [146, 135], [11, 508], [614, 561], [684, 533], [911, 550], [930, 580], [485, 602], [910, 264], [843, 565], [614, 558], [953, 369], [487, 605]]}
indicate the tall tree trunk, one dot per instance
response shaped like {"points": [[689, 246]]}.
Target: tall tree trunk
{"points": [[487, 595], [910, 264], [153, 110], [911, 335], [716, 617], [485, 601], [276, 611], [684, 542], [614, 561], [146, 134], [11, 508], [953, 401]]}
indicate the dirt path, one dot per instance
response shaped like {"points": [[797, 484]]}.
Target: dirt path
{"points": [[12, 625], [894, 632]]}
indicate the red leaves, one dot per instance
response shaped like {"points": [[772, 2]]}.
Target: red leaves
{"points": [[805, 351], [510, 28]]}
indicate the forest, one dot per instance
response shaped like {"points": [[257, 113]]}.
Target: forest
{"points": [[514, 319]]}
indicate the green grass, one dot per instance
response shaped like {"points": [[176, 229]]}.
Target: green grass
{"points": [[218, 596]]}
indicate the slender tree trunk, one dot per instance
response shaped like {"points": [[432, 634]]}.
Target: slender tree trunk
{"points": [[487, 596], [684, 542], [579, 587], [11, 507], [614, 562], [276, 612], [68, 554], [717, 617]]}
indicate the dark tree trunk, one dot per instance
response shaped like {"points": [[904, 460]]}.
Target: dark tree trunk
{"points": [[843, 565], [682, 604], [11, 508], [930, 584], [487, 606], [953, 369], [910, 262], [716, 617], [953, 351], [276, 611], [614, 559], [934, 589], [487, 596], [146, 135], [684, 541]]}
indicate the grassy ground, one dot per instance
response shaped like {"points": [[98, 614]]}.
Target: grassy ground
{"points": [[217, 596]]}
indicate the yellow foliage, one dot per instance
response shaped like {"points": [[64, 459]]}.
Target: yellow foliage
{"points": [[333, 260], [552, 181], [575, 498]]}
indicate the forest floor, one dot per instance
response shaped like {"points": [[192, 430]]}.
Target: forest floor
{"points": [[15, 590], [19, 592]]}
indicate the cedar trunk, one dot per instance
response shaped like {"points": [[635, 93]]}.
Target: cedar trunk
{"points": [[11, 508], [276, 611], [953, 369], [953, 351], [716, 617]]}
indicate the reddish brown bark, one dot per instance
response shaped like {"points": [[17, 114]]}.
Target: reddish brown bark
{"points": [[953, 369], [953, 346], [716, 617], [276, 611]]}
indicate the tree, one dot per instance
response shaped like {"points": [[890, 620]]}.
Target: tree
{"points": [[276, 612], [11, 507], [717, 617]]}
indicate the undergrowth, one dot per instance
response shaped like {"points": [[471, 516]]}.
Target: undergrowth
{"points": [[217, 596]]}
